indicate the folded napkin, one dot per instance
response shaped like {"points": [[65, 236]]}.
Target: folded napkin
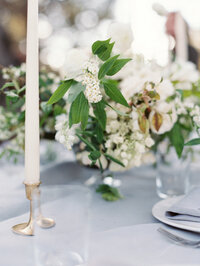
{"points": [[187, 209]]}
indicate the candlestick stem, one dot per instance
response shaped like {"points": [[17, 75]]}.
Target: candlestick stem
{"points": [[28, 228]]}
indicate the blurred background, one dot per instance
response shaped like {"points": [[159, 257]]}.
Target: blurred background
{"points": [[64, 24]]}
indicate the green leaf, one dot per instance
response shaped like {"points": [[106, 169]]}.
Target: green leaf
{"points": [[109, 193], [21, 117], [7, 85], [107, 66], [75, 89], [85, 132], [99, 46], [99, 133], [193, 142], [114, 159], [15, 106], [106, 54], [46, 108], [188, 93], [102, 49], [94, 155], [117, 111], [177, 139], [58, 110], [60, 92], [114, 93], [99, 111], [90, 145], [119, 63], [45, 95], [79, 111], [12, 96], [22, 89]]}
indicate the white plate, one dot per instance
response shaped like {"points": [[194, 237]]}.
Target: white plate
{"points": [[160, 208]]}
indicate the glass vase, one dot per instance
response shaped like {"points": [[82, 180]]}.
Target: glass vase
{"points": [[172, 175]]}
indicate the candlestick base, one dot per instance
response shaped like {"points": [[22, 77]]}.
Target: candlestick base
{"points": [[23, 229], [45, 222], [28, 228]]}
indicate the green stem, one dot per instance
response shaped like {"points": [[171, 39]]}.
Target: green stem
{"points": [[101, 168]]}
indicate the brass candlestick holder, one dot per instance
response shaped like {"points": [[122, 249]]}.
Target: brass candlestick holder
{"points": [[28, 228]]}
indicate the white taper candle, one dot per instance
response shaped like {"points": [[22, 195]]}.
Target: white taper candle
{"points": [[32, 141]]}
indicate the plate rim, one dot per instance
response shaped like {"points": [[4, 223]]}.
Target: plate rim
{"points": [[173, 223]]}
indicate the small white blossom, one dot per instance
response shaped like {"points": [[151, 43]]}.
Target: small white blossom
{"points": [[90, 80], [140, 148], [65, 135], [117, 139], [165, 89], [196, 120], [149, 142]]}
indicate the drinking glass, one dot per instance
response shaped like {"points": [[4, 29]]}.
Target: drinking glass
{"points": [[172, 177], [65, 243]]}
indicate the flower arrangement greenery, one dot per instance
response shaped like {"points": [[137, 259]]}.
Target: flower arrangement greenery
{"points": [[115, 106], [118, 121], [89, 93]]}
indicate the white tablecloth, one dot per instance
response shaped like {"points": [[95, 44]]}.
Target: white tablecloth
{"points": [[121, 233]]}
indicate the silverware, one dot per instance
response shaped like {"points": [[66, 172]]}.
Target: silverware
{"points": [[179, 240]]}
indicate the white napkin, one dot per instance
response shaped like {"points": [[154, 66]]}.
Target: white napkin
{"points": [[187, 209]]}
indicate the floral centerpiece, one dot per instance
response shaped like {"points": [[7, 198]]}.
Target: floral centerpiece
{"points": [[94, 100], [114, 107], [155, 103]]}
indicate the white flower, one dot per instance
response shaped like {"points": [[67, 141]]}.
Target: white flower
{"points": [[90, 80], [93, 94], [169, 117], [111, 114], [138, 135], [125, 162], [124, 154], [196, 120], [65, 135], [75, 60], [189, 105], [115, 125], [184, 73], [149, 142], [165, 89], [134, 114], [124, 147], [92, 66], [122, 35], [195, 111], [136, 125], [117, 139], [140, 148], [104, 162], [108, 143], [83, 157], [138, 77], [131, 85]]}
